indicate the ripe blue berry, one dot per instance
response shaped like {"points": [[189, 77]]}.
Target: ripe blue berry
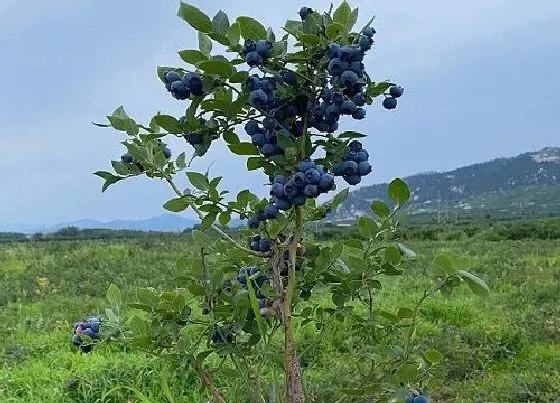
{"points": [[304, 12], [279, 179], [365, 43], [258, 139], [334, 48], [252, 127], [179, 90], [364, 168], [396, 91], [269, 123], [167, 153], [305, 165], [290, 189], [289, 77], [359, 114], [254, 59], [337, 67], [172, 76], [299, 179], [328, 94], [127, 159], [277, 190], [348, 108], [348, 78], [299, 200], [258, 98], [326, 182], [311, 191], [283, 204], [312, 176], [352, 179], [253, 223], [369, 31], [265, 245], [263, 48], [332, 114], [390, 103], [349, 168], [271, 211], [421, 399]]}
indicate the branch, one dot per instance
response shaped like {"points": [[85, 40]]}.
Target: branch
{"points": [[209, 384], [222, 233]]}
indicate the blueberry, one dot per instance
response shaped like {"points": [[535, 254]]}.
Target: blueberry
{"points": [[253, 82], [90, 333], [297, 128], [332, 114], [194, 138], [290, 189], [179, 90], [255, 245], [258, 139], [261, 216], [361, 156], [364, 168], [243, 270], [254, 59], [95, 326], [321, 169], [359, 99], [334, 49], [396, 91], [283, 204], [365, 43], [290, 111], [269, 123], [338, 99], [289, 77], [369, 32], [258, 98], [299, 200], [319, 110], [250, 45], [311, 190], [172, 76], [421, 399], [167, 153], [263, 48], [270, 136], [252, 127], [304, 12], [355, 146], [345, 54], [348, 78], [356, 54], [270, 149], [327, 95], [349, 168], [262, 303], [127, 158], [195, 85], [303, 166], [312, 176], [338, 169], [271, 211], [409, 399], [277, 190], [357, 67], [325, 182], [348, 108], [253, 223], [352, 179], [299, 179], [390, 103], [253, 270], [337, 67], [265, 245], [359, 114], [279, 179]]}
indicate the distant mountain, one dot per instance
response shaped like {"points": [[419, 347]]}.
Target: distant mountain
{"points": [[164, 222], [528, 184]]}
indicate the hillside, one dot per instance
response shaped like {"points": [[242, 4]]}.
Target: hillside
{"points": [[525, 185]]}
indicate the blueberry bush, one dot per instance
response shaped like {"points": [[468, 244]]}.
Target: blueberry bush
{"points": [[279, 102]]}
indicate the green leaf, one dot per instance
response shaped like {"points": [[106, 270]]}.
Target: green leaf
{"points": [[110, 179], [285, 142], [367, 227], [198, 180], [244, 149], [180, 161], [350, 134], [433, 356], [475, 283], [251, 28], [231, 137], [343, 16], [380, 208], [195, 18], [114, 296], [168, 123], [270, 35], [407, 373], [376, 89], [204, 43], [310, 39], [239, 77], [339, 198], [224, 218], [176, 205], [192, 56], [334, 30], [200, 237], [218, 67], [254, 163], [220, 23], [234, 34], [279, 48], [255, 306], [445, 264], [354, 243], [208, 220], [398, 192], [294, 28], [392, 255]]}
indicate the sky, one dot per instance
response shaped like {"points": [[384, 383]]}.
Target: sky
{"points": [[481, 81]]}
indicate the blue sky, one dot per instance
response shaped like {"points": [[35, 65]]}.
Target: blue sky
{"points": [[481, 81]]}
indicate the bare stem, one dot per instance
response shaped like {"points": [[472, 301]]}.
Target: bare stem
{"points": [[209, 384]]}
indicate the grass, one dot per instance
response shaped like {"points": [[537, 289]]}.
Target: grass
{"points": [[499, 349]]}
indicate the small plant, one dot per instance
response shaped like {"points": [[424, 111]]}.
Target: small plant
{"points": [[290, 95]]}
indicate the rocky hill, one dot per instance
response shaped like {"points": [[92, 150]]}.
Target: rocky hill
{"points": [[528, 184]]}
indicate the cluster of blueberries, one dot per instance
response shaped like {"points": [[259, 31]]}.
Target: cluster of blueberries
{"points": [[390, 102], [309, 181], [256, 53], [90, 328], [266, 137], [182, 88], [355, 164], [263, 95], [194, 138], [414, 398], [222, 334], [259, 244]]}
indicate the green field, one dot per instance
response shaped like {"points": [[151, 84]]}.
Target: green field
{"points": [[504, 348]]}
